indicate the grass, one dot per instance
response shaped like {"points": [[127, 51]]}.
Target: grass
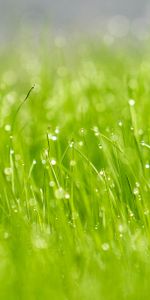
{"points": [[74, 172]]}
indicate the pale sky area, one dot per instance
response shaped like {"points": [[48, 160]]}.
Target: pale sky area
{"points": [[73, 15]]}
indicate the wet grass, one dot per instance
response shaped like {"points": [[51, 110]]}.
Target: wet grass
{"points": [[74, 172]]}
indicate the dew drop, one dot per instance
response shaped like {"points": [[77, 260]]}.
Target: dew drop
{"points": [[146, 212], [11, 151], [8, 127], [135, 191], [121, 228], [52, 183], [67, 196], [71, 144], [57, 130], [120, 124], [100, 146], [8, 171], [52, 137], [81, 143], [53, 162], [131, 102], [59, 193], [82, 131], [72, 163], [102, 173], [105, 246]]}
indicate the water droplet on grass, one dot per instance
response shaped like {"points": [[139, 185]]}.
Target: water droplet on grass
{"points": [[11, 151], [100, 146], [144, 144], [59, 193], [72, 163], [8, 171], [52, 137], [96, 131], [81, 143], [53, 162], [146, 212], [52, 183], [121, 228], [82, 131], [57, 130], [135, 191], [120, 124], [102, 173], [67, 196], [131, 214], [71, 144], [105, 246], [7, 127], [131, 102]]}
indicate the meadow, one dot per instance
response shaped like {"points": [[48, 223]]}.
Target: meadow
{"points": [[75, 171]]}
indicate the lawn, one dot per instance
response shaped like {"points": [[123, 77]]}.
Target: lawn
{"points": [[75, 171]]}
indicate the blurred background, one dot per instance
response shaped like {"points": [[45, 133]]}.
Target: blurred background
{"points": [[111, 18]]}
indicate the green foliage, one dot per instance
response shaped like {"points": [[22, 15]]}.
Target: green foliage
{"points": [[74, 172]]}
